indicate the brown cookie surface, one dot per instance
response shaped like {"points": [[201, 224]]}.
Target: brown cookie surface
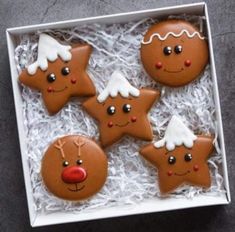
{"points": [[174, 52], [182, 165], [74, 168], [58, 78], [122, 114], [180, 157]]}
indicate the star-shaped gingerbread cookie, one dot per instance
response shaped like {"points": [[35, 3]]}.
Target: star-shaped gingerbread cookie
{"points": [[59, 73], [121, 109], [180, 157]]}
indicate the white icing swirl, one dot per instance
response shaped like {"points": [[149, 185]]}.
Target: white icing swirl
{"points": [[118, 85], [176, 134], [49, 49], [162, 38]]}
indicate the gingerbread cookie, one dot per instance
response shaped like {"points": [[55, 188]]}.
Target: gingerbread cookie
{"points": [[74, 168], [122, 109], [59, 73], [174, 52], [181, 157]]}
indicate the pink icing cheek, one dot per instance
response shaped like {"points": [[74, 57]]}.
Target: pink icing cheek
{"points": [[133, 118], [73, 80], [110, 124], [195, 167], [187, 63], [158, 65], [50, 89], [169, 173]]}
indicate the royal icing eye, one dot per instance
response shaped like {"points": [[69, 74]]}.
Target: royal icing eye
{"points": [[178, 49], [126, 108], [65, 163], [167, 50], [65, 71], [171, 159], [111, 110], [188, 157], [79, 162], [51, 77]]}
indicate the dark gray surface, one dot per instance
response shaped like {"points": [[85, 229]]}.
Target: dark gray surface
{"points": [[13, 207]]}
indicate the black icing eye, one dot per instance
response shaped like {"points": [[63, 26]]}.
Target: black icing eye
{"points": [[126, 108], [167, 50], [171, 159], [65, 163], [188, 157], [65, 71], [79, 162], [178, 49], [51, 77], [111, 110]]}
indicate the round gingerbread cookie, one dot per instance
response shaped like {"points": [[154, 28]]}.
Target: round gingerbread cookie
{"points": [[59, 73], [74, 168], [174, 52], [181, 157]]}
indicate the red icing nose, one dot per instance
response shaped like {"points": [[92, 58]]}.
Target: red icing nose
{"points": [[73, 174]]}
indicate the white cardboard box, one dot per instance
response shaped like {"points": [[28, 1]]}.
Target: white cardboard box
{"points": [[154, 205]]}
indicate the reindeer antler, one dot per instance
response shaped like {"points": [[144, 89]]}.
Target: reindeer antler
{"points": [[79, 143], [59, 146]]}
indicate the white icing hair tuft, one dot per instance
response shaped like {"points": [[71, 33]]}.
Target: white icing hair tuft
{"points": [[118, 84], [49, 49], [176, 134], [177, 35]]}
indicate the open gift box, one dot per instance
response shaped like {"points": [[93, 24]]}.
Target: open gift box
{"points": [[154, 204]]}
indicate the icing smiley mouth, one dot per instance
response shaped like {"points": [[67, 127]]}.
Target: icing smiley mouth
{"points": [[51, 90], [76, 189], [174, 71], [60, 90], [182, 174], [122, 125]]}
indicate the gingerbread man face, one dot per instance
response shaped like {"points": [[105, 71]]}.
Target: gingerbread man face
{"points": [[174, 52], [59, 73], [74, 168], [179, 161], [122, 109]]}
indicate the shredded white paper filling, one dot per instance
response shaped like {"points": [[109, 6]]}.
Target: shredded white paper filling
{"points": [[130, 179]]}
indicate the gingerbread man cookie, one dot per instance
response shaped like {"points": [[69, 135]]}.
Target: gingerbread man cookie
{"points": [[59, 73], [74, 168], [181, 157], [174, 52], [122, 109]]}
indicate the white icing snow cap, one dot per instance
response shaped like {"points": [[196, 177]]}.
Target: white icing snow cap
{"points": [[118, 84], [176, 134], [49, 49]]}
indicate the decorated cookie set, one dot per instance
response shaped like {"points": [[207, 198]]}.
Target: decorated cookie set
{"points": [[75, 167]]}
